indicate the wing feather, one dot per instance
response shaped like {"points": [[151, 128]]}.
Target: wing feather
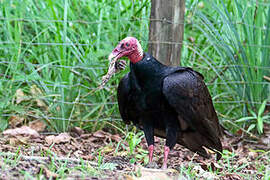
{"points": [[126, 101], [187, 93], [123, 91]]}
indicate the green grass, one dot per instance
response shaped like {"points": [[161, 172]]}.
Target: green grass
{"points": [[58, 168], [232, 40], [61, 47], [55, 52], [228, 167]]}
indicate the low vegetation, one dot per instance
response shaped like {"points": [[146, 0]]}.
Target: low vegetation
{"points": [[54, 53], [102, 155]]}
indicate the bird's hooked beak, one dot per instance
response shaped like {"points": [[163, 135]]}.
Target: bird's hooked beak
{"points": [[113, 57], [115, 54]]}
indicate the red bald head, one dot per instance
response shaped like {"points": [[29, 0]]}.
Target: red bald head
{"points": [[128, 47]]}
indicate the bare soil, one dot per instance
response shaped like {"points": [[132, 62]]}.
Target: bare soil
{"points": [[36, 154]]}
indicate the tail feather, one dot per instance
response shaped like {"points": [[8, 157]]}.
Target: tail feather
{"points": [[196, 143]]}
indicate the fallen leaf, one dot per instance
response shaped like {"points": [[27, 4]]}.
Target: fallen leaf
{"points": [[203, 174], [116, 137], [20, 96], [252, 154], [239, 132], [216, 167], [24, 131], [78, 153], [99, 134], [77, 130], [18, 141], [157, 176], [243, 161], [153, 174], [233, 176], [85, 136], [41, 103], [58, 108], [49, 174], [37, 125], [92, 139], [122, 153], [201, 5], [265, 139], [36, 92], [61, 138], [204, 166], [191, 39], [15, 121], [107, 149], [87, 157], [50, 139]]}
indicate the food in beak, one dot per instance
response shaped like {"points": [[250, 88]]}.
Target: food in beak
{"points": [[114, 67], [110, 73]]}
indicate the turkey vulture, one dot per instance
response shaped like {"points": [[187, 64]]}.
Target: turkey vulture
{"points": [[169, 102]]}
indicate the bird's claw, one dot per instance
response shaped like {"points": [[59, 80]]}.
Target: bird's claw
{"points": [[120, 65], [164, 166], [152, 165], [114, 67]]}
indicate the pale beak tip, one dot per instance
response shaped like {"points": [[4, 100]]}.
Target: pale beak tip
{"points": [[111, 56]]}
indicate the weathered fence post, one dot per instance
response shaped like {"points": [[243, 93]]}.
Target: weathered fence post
{"points": [[166, 30]]}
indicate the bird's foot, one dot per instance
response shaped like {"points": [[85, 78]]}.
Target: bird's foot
{"points": [[164, 166], [166, 154], [152, 165], [120, 65]]}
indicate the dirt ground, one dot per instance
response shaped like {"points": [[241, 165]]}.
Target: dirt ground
{"points": [[35, 153]]}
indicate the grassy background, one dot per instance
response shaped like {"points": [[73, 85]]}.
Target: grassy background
{"points": [[54, 53]]}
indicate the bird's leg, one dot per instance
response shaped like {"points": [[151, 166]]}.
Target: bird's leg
{"points": [[151, 150], [120, 65], [171, 138], [149, 135], [166, 154]]}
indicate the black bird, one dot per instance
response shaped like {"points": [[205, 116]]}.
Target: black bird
{"points": [[168, 102]]}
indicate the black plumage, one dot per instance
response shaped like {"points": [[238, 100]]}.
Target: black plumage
{"points": [[169, 102]]}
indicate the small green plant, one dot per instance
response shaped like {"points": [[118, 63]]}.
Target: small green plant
{"points": [[142, 156], [3, 123], [256, 120], [108, 166], [134, 140], [100, 159]]}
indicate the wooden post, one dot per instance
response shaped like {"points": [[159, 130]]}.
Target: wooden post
{"points": [[166, 30]]}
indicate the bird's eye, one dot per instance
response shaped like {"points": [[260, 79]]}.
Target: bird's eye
{"points": [[127, 44]]}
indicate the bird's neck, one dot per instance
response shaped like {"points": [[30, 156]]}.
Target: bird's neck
{"points": [[147, 68], [135, 57]]}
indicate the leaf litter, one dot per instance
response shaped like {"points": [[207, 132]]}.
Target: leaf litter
{"points": [[109, 155]]}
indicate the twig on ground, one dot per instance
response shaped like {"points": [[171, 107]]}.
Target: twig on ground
{"points": [[38, 158]]}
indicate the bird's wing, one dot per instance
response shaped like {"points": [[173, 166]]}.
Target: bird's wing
{"points": [[187, 93], [127, 100], [122, 97]]}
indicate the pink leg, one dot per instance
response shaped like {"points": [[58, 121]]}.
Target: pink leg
{"points": [[166, 153], [151, 150]]}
